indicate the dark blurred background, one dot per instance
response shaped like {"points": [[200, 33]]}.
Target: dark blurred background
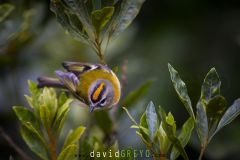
{"points": [[193, 36]]}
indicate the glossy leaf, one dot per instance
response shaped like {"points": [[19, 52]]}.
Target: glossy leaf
{"points": [[151, 120], [5, 10], [169, 127], [61, 116], [214, 110], [143, 120], [73, 136], [33, 100], [33, 89], [144, 139], [70, 22], [202, 124], [62, 98], [163, 140], [211, 86], [68, 153], [48, 99], [128, 11], [183, 137], [45, 117], [231, 113], [101, 17], [60, 122], [34, 141], [181, 90], [142, 133], [25, 115], [79, 8], [62, 109]]}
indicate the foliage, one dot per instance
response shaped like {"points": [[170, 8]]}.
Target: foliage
{"points": [[5, 10], [96, 22], [158, 129], [42, 124]]}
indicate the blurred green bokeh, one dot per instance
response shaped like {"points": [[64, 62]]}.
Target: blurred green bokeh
{"points": [[194, 36]]}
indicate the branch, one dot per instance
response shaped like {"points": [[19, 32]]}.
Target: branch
{"points": [[14, 145]]}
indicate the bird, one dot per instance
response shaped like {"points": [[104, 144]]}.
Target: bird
{"points": [[96, 85]]}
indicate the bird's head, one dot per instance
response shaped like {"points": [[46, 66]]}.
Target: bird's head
{"points": [[100, 95]]}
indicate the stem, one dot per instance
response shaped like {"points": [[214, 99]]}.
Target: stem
{"points": [[99, 50], [52, 145], [163, 156], [203, 148], [14, 145]]}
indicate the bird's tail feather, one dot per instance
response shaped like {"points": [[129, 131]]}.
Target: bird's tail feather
{"points": [[50, 82]]}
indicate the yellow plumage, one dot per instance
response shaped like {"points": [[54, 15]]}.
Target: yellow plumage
{"points": [[87, 78]]}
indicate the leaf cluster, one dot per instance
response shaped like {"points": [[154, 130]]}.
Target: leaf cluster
{"points": [[158, 129], [95, 22], [42, 124]]}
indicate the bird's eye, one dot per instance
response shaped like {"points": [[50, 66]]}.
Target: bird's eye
{"points": [[103, 102]]}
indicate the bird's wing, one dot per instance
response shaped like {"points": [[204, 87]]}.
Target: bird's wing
{"points": [[69, 80], [78, 68]]}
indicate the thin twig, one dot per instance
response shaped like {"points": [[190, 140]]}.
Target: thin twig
{"points": [[52, 145], [124, 73], [14, 145], [203, 148]]}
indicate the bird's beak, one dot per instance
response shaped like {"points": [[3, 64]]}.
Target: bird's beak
{"points": [[91, 108]]}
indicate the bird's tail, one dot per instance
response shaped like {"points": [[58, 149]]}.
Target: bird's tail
{"points": [[50, 82]]}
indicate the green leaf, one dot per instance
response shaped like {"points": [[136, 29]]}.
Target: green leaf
{"points": [[214, 110], [25, 115], [151, 120], [143, 120], [62, 99], [136, 94], [33, 100], [101, 17], [124, 17], [68, 153], [170, 121], [73, 136], [232, 112], [211, 86], [45, 117], [169, 127], [33, 89], [202, 124], [72, 23], [34, 141], [79, 8], [181, 90], [163, 140], [183, 137], [59, 124], [104, 121], [5, 10], [62, 109], [61, 115], [129, 115], [144, 139], [48, 98]]}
